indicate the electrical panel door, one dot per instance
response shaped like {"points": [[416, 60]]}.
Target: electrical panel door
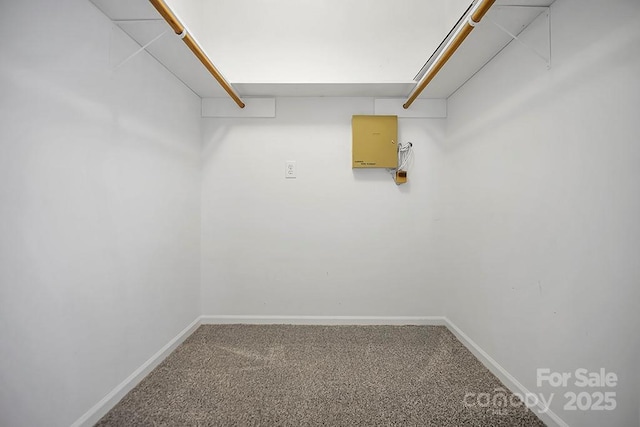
{"points": [[375, 141]]}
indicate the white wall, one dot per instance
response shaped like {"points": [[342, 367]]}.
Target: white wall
{"points": [[543, 203], [99, 210], [334, 241]]}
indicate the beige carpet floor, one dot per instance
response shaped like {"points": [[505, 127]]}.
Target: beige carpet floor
{"points": [[284, 375]]}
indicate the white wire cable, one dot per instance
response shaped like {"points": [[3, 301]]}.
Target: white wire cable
{"points": [[405, 157]]}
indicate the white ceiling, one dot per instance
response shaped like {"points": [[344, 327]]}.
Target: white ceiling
{"points": [[385, 66]]}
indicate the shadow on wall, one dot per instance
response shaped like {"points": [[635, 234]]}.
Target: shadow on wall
{"points": [[569, 74], [219, 128], [372, 174], [216, 138], [113, 116], [293, 116], [381, 175]]}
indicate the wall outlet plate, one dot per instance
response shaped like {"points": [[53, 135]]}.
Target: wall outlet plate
{"points": [[290, 169]]}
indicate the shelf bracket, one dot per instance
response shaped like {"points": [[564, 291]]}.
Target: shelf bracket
{"points": [[117, 24], [546, 55]]}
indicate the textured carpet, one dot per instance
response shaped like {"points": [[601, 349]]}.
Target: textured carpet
{"points": [[284, 375]]}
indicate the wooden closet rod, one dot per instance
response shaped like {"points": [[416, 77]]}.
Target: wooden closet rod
{"points": [[474, 17], [179, 29]]}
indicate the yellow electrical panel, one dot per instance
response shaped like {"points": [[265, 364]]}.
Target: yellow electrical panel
{"points": [[375, 141]]}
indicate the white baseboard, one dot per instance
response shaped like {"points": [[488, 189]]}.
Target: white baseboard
{"points": [[101, 408], [94, 414], [546, 415], [323, 320]]}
